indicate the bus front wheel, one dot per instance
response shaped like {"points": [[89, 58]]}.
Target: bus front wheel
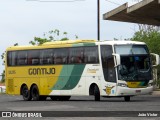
{"points": [[26, 93], [96, 93], [127, 98]]}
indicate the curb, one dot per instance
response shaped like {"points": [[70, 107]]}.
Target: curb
{"points": [[156, 93]]}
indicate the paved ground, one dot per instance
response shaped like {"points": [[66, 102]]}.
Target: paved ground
{"points": [[139, 103]]}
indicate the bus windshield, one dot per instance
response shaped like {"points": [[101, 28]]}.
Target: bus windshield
{"points": [[135, 63]]}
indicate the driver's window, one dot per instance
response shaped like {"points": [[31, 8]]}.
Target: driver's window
{"points": [[108, 63]]}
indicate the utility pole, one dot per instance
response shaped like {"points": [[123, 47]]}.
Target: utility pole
{"points": [[98, 20]]}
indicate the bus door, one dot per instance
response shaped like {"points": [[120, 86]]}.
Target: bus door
{"points": [[108, 67]]}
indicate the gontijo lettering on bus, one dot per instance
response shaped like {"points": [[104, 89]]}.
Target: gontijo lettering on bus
{"points": [[41, 71]]}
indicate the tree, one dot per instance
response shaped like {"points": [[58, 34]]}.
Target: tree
{"points": [[52, 35], [3, 58], [152, 38]]}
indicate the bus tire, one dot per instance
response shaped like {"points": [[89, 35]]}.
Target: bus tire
{"points": [[26, 93], [35, 93], [96, 93], [127, 98]]}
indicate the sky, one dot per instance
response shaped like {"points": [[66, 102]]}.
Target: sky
{"points": [[22, 20]]}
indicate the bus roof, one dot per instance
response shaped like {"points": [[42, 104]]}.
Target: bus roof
{"points": [[121, 42], [72, 43]]}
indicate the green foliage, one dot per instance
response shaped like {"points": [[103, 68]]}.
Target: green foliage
{"points": [[151, 38], [50, 36], [3, 58], [3, 77]]}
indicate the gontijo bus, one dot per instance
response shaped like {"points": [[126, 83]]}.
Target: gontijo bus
{"points": [[63, 69]]}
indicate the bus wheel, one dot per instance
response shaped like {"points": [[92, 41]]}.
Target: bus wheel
{"points": [[96, 93], [35, 93], [127, 98], [26, 93]]}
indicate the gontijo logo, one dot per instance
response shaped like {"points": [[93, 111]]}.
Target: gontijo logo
{"points": [[41, 71]]}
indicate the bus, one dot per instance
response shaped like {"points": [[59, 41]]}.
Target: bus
{"points": [[62, 69]]}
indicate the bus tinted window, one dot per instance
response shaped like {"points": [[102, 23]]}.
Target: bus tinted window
{"points": [[60, 56], [91, 55], [22, 58], [33, 57], [76, 55], [108, 63], [46, 57], [11, 59]]}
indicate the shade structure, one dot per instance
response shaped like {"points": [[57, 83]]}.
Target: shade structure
{"points": [[144, 12]]}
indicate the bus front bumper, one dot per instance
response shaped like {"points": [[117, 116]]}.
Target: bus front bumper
{"points": [[125, 91]]}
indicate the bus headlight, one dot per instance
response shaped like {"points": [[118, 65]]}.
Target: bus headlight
{"points": [[122, 84]]}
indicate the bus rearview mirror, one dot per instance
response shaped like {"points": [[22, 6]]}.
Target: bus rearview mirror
{"points": [[155, 59]]}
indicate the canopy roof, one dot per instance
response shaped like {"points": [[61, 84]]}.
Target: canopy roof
{"points": [[144, 12]]}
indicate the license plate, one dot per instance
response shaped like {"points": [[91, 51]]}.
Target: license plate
{"points": [[138, 91]]}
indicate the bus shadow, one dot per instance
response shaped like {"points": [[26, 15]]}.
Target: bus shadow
{"points": [[83, 100]]}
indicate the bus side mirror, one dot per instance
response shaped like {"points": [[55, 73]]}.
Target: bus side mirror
{"points": [[118, 59], [155, 59]]}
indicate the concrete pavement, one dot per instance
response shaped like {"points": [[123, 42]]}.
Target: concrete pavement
{"points": [[156, 92]]}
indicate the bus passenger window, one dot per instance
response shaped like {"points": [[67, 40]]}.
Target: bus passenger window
{"points": [[33, 57], [46, 57], [60, 56], [22, 58], [76, 55], [91, 55], [12, 58]]}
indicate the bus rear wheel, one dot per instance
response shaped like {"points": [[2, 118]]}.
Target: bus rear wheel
{"points": [[35, 93], [96, 93], [127, 98], [26, 93]]}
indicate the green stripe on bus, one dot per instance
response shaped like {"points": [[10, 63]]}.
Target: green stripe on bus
{"points": [[89, 44], [74, 77], [83, 44], [77, 45], [63, 77]]}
